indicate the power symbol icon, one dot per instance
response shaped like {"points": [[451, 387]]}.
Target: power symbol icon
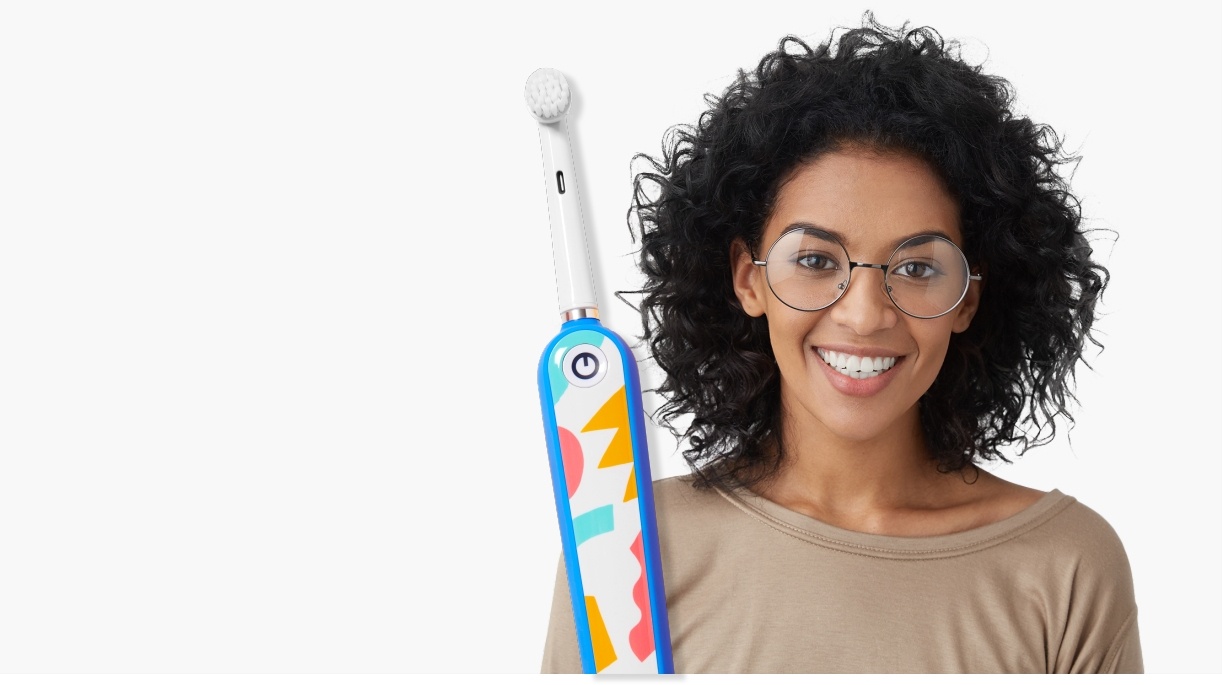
{"points": [[585, 365]]}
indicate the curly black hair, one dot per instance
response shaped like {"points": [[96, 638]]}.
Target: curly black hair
{"points": [[1004, 381]]}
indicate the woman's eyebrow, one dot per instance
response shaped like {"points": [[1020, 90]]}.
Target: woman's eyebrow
{"points": [[840, 237], [925, 236], [808, 227]]}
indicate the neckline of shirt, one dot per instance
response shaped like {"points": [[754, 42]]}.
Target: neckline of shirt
{"points": [[963, 542]]}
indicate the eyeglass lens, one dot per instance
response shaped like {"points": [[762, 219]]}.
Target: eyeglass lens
{"points": [[926, 276]]}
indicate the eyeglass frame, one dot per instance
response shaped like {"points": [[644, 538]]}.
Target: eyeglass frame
{"points": [[848, 281]]}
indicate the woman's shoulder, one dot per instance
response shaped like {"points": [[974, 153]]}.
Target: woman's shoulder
{"points": [[1058, 533], [696, 519], [1079, 535], [682, 490], [1091, 581], [1083, 522], [1060, 523], [686, 502], [1066, 527], [1078, 565]]}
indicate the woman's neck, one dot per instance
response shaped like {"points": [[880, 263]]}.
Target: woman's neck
{"points": [[888, 484]]}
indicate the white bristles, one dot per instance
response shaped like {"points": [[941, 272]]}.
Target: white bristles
{"points": [[547, 95]]}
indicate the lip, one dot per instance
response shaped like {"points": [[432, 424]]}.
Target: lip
{"points": [[857, 387]]}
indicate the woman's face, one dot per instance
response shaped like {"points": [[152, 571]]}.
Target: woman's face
{"points": [[872, 201]]}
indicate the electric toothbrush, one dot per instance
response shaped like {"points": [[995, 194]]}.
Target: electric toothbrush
{"points": [[590, 390]]}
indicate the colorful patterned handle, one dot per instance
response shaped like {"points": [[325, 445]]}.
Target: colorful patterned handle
{"points": [[591, 394]]}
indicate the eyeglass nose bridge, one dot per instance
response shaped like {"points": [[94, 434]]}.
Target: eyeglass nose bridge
{"points": [[865, 265], [882, 267]]}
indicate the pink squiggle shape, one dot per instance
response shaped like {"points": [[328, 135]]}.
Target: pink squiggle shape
{"points": [[640, 638]]}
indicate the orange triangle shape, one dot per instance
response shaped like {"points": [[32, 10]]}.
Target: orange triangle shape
{"points": [[614, 414], [604, 652], [630, 491]]}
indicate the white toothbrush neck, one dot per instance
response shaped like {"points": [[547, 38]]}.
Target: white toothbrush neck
{"points": [[574, 282]]}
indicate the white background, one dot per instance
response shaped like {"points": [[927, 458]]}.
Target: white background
{"points": [[274, 279]]}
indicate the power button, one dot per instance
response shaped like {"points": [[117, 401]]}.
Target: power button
{"points": [[585, 365]]}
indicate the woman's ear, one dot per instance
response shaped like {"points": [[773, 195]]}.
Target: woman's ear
{"points": [[749, 283], [967, 308]]}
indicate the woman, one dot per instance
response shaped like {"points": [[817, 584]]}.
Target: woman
{"points": [[865, 276]]}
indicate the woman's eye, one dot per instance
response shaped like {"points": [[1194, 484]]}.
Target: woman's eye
{"points": [[816, 261], [916, 270]]}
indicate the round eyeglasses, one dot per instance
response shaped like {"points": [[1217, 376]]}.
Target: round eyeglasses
{"points": [[808, 269]]}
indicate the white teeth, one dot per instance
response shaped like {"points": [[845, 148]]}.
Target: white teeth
{"points": [[856, 367]]}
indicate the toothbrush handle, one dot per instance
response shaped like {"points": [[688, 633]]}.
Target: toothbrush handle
{"points": [[590, 390], [574, 285]]}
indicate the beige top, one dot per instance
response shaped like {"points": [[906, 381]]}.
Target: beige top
{"points": [[754, 587]]}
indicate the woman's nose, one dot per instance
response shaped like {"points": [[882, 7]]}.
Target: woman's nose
{"points": [[865, 307]]}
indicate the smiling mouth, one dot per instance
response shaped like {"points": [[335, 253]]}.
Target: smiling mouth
{"points": [[856, 367]]}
